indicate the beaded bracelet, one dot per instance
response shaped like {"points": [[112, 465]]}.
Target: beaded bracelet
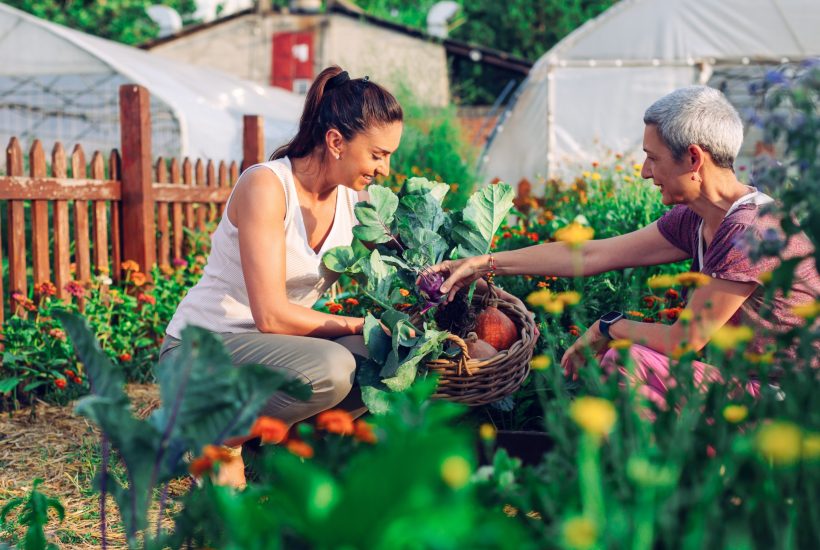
{"points": [[491, 275]]}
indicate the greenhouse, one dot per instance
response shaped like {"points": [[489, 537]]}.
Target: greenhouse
{"points": [[61, 84]]}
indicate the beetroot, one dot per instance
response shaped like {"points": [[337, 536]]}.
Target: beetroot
{"points": [[495, 328], [479, 349]]}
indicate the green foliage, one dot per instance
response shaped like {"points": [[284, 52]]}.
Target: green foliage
{"points": [[426, 232], [205, 400], [121, 20], [34, 510], [433, 146], [411, 489]]}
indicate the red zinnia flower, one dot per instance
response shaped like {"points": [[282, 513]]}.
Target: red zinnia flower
{"points": [[60, 383]]}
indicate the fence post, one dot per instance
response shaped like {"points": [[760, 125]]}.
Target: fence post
{"points": [[139, 233], [253, 141]]}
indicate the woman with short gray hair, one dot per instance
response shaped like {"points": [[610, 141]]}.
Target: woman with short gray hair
{"points": [[691, 139]]}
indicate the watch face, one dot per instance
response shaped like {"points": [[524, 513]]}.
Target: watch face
{"points": [[612, 316]]}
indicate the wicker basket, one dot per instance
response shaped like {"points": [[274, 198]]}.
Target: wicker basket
{"points": [[478, 382]]}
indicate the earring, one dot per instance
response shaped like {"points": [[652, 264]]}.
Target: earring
{"points": [[338, 156]]}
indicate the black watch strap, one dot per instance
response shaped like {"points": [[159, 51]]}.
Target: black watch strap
{"points": [[606, 321]]}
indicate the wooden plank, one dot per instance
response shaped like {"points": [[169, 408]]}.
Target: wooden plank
{"points": [[137, 197], [164, 245], [39, 220], [224, 183], [253, 140], [188, 179], [168, 192], [176, 214], [199, 170], [62, 237], [210, 181], [16, 225], [82, 252], [99, 226], [48, 189], [116, 219]]}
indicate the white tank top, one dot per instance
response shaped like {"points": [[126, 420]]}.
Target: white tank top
{"points": [[219, 301]]}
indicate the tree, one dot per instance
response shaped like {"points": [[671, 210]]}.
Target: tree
{"points": [[121, 20]]}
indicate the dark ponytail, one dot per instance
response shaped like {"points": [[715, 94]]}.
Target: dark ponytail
{"points": [[337, 101]]}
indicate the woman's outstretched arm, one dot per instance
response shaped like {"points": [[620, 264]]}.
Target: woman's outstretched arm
{"points": [[639, 248]]}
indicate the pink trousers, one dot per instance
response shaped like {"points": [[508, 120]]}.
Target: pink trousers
{"points": [[653, 376]]}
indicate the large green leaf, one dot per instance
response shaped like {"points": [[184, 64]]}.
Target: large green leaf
{"points": [[376, 216], [484, 214], [341, 259], [377, 342], [8, 384], [375, 394], [379, 277], [424, 346], [105, 379], [422, 186]]}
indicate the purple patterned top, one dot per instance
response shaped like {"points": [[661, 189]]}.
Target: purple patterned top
{"points": [[726, 259]]}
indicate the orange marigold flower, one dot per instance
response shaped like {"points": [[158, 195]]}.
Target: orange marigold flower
{"points": [[637, 314], [574, 330], [57, 333], [46, 288], [217, 453], [139, 278], [125, 357], [166, 270], [270, 430], [146, 298], [404, 292], [300, 448], [336, 421], [60, 383], [670, 314], [334, 308], [672, 294], [200, 466], [351, 301], [506, 235], [364, 432], [130, 265]]}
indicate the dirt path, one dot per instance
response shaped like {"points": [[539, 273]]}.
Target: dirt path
{"points": [[62, 449]]}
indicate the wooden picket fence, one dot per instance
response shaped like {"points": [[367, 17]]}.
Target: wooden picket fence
{"points": [[125, 206]]}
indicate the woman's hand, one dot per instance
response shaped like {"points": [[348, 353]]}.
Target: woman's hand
{"points": [[460, 273], [575, 356]]}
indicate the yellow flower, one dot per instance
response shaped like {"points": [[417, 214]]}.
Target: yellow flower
{"points": [[627, 178], [569, 298], [759, 358], [807, 311], [455, 471], [662, 281], [811, 446], [621, 343], [735, 414], [596, 176], [540, 362], [546, 300], [594, 415], [579, 533], [486, 432], [637, 167], [694, 278], [585, 174], [729, 337], [574, 234], [686, 315], [780, 442]]}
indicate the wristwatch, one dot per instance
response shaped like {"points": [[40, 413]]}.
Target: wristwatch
{"points": [[607, 321]]}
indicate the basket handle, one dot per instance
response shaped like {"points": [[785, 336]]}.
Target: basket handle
{"points": [[465, 355]]}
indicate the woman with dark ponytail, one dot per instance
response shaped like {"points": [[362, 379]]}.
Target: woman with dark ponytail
{"points": [[265, 272]]}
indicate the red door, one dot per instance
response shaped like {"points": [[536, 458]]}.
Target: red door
{"points": [[292, 60]]}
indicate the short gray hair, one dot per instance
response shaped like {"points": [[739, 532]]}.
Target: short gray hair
{"points": [[698, 115]]}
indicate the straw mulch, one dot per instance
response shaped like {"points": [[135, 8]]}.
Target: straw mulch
{"points": [[63, 449]]}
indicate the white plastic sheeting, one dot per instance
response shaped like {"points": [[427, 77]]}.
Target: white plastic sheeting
{"points": [[61, 84], [585, 98]]}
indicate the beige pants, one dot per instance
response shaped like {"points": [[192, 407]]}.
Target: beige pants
{"points": [[327, 366]]}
